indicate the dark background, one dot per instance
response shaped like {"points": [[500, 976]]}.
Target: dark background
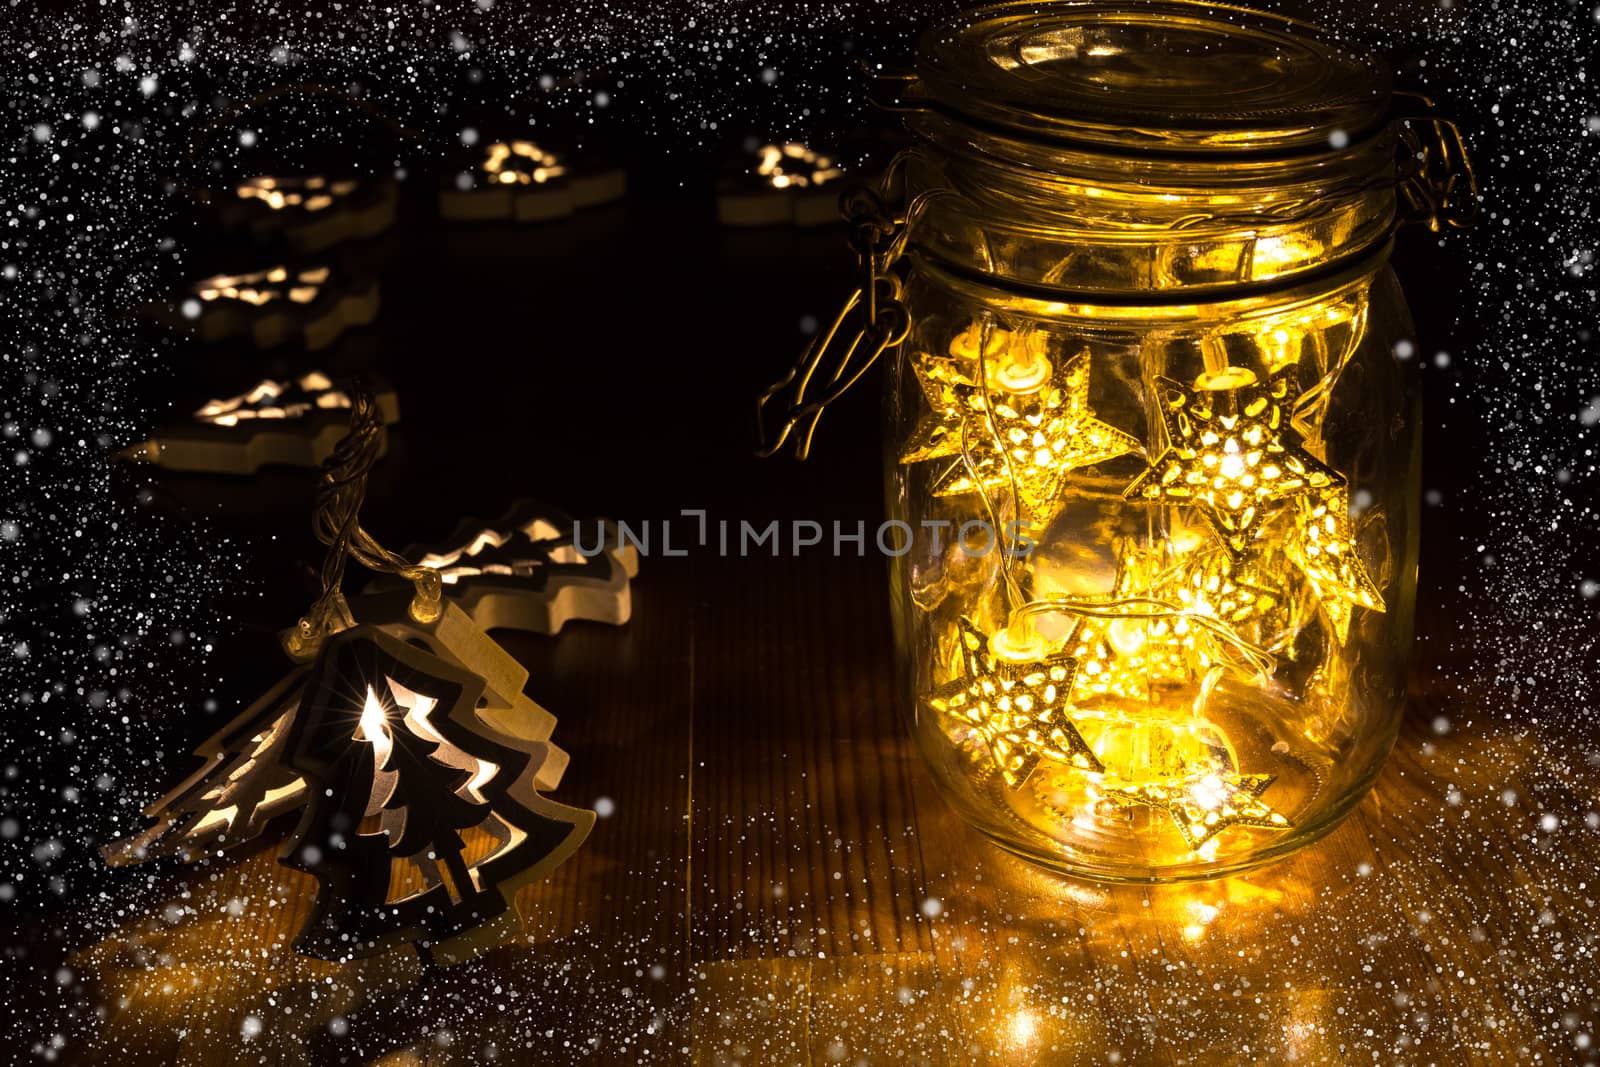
{"points": [[609, 363]]}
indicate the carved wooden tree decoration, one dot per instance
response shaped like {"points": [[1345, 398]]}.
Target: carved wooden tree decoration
{"points": [[524, 570], [421, 819], [405, 741], [242, 786], [308, 213], [434, 758], [244, 781], [780, 184], [273, 305], [529, 181], [295, 422]]}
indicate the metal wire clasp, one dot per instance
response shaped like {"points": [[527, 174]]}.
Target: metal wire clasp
{"points": [[877, 235], [1438, 186]]}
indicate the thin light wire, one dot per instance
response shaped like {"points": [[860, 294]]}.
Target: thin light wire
{"points": [[1012, 588], [1149, 609], [336, 522]]}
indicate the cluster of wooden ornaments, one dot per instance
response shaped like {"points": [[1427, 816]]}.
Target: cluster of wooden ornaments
{"points": [[299, 291], [406, 751]]}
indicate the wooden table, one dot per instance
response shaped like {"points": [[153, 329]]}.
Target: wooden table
{"points": [[779, 883]]}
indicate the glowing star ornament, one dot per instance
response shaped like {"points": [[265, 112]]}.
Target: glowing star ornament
{"points": [[1027, 431], [1215, 584], [1132, 658], [526, 181], [1204, 804], [294, 422], [1323, 546], [1230, 452], [1204, 590], [1017, 706], [529, 570]]}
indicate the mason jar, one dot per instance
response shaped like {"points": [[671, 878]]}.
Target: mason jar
{"points": [[1151, 424]]}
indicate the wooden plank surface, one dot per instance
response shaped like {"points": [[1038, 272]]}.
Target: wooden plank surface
{"points": [[781, 885]]}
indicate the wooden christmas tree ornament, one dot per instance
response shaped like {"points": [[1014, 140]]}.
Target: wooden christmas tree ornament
{"points": [[244, 781], [525, 570], [295, 422], [403, 739], [524, 181], [309, 213], [788, 184], [275, 305], [423, 819]]}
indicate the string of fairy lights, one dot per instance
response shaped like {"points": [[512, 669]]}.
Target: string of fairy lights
{"points": [[1010, 424]]}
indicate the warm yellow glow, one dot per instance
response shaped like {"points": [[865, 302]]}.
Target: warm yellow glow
{"points": [[1022, 1027], [271, 399], [1029, 442], [794, 166], [965, 347], [458, 564], [1323, 547], [1182, 610], [213, 821], [1275, 254], [373, 728], [1017, 709], [1135, 658], [1203, 915], [1203, 805], [1158, 743], [1019, 642], [419, 708], [521, 163], [263, 286], [1230, 454], [310, 194]]}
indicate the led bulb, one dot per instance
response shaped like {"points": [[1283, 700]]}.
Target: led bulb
{"points": [[1019, 642], [1022, 370], [1127, 636], [965, 345], [1226, 378]]}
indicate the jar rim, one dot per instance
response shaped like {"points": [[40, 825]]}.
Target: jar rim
{"points": [[1166, 77]]}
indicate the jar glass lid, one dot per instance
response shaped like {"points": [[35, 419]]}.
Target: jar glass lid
{"points": [[1167, 76]]}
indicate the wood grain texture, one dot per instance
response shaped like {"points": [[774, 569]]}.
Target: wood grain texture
{"points": [[1441, 923], [804, 837]]}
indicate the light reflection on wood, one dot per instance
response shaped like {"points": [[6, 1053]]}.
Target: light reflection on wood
{"points": [[1423, 929]]}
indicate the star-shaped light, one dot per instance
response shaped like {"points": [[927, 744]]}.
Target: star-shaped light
{"points": [[1218, 585], [1018, 708], [1028, 430], [1204, 804], [1323, 547], [1135, 657], [1229, 452]]}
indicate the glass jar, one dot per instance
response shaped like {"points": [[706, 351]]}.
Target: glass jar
{"points": [[1150, 426]]}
